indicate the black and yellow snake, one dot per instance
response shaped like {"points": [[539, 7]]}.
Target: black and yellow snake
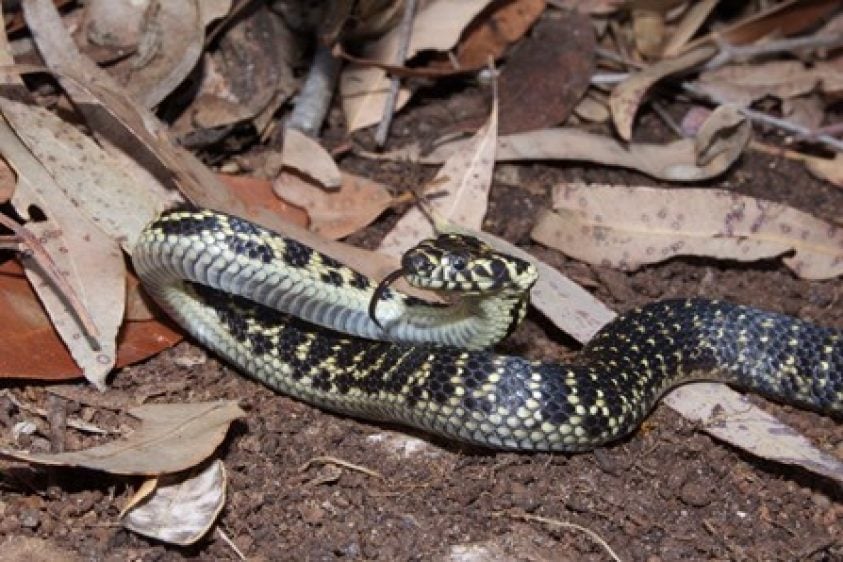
{"points": [[234, 286]]}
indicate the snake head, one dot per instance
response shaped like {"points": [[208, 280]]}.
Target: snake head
{"points": [[464, 264]]}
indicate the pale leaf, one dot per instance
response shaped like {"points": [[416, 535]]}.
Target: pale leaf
{"points": [[182, 508], [336, 214], [96, 182], [830, 169], [171, 438], [465, 178], [627, 227], [306, 155], [91, 263], [743, 84], [678, 161], [693, 19], [437, 25], [627, 96], [730, 417]]}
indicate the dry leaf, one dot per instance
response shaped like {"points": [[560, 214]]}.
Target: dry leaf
{"points": [[171, 438], [437, 25], [306, 155], [91, 263], [782, 19], [182, 508], [678, 161], [170, 40], [593, 223], [8, 180], [744, 84], [693, 19], [336, 214], [732, 418], [34, 350], [92, 179], [490, 35], [829, 169], [628, 95], [466, 178]]}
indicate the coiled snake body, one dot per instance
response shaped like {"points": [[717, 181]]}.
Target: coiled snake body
{"points": [[231, 284]]}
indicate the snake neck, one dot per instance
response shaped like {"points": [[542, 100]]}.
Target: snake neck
{"points": [[472, 322]]}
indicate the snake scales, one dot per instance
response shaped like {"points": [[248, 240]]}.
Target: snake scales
{"points": [[435, 374]]}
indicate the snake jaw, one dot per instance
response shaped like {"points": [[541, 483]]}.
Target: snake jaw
{"points": [[379, 292]]}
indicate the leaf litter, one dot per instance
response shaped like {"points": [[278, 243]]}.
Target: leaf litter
{"points": [[714, 150]]}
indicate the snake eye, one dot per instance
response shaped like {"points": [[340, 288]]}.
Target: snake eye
{"points": [[416, 263], [458, 261]]}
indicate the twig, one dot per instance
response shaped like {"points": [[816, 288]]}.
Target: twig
{"points": [[743, 53], [315, 96], [225, 538], [568, 525], [343, 463], [405, 31], [75, 423]]}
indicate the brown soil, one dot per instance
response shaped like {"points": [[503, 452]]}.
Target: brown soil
{"points": [[670, 492]]}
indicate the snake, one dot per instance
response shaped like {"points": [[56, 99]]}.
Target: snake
{"points": [[309, 326]]}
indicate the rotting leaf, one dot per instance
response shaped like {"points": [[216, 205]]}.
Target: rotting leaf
{"points": [[594, 223], [627, 96], [171, 438], [744, 84], [182, 508], [465, 178], [336, 214]]}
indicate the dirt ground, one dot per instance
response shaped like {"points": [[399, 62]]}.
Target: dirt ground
{"points": [[669, 492]]}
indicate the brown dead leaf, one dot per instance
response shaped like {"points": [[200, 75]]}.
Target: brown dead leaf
{"points": [[34, 350], [489, 35], [90, 262], [171, 438], [782, 19], [307, 156], [545, 78], [593, 223], [465, 178], [169, 41], [829, 169], [8, 180], [336, 214], [627, 96], [693, 19], [182, 508], [684, 160], [437, 26], [744, 84]]}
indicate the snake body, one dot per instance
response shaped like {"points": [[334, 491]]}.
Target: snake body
{"points": [[231, 284]]}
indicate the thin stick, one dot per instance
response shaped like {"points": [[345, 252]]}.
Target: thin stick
{"points": [[568, 525], [742, 53], [343, 463], [405, 31]]}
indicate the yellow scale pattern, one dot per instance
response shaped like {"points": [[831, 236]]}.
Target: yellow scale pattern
{"points": [[198, 266]]}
